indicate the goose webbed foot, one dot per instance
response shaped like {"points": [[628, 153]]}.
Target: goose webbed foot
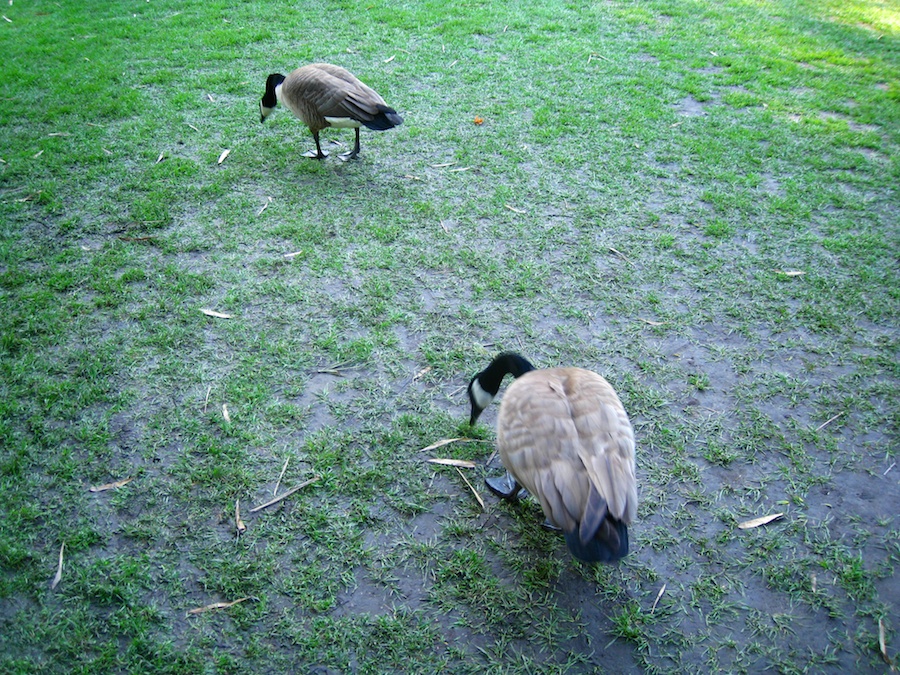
{"points": [[506, 487], [318, 154], [354, 153]]}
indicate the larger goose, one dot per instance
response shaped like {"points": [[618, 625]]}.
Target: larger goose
{"points": [[323, 95], [564, 436]]}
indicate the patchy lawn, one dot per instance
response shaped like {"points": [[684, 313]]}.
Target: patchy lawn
{"points": [[696, 199]]}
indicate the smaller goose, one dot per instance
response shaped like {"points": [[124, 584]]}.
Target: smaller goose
{"points": [[323, 95], [564, 436]]}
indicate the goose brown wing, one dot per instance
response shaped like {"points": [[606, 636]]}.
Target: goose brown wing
{"points": [[559, 433], [538, 444], [330, 91], [607, 443]]}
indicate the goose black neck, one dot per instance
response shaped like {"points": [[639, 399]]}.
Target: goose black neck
{"points": [[503, 364]]}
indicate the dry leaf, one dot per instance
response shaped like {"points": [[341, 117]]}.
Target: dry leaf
{"points": [[411, 177], [441, 166], [474, 492], [211, 99], [264, 207], [658, 596], [421, 373], [446, 441], [58, 133], [37, 154], [882, 645], [217, 605], [756, 522], [7, 19], [161, 157], [58, 576], [464, 463], [790, 273], [110, 486], [193, 127], [217, 315], [465, 168], [222, 157], [239, 524], [620, 254], [291, 255], [388, 60], [225, 413], [479, 120], [652, 323], [514, 209]]}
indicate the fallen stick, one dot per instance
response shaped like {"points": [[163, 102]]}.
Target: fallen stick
{"points": [[284, 495], [826, 423], [281, 475]]}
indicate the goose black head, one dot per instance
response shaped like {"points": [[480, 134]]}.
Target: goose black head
{"points": [[479, 398], [270, 98], [485, 385]]}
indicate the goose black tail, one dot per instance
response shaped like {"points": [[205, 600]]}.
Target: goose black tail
{"points": [[387, 118], [609, 545]]}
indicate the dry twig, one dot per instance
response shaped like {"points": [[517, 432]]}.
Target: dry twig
{"points": [[827, 422], [280, 476], [284, 495]]}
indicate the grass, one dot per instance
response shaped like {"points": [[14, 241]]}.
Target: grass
{"points": [[647, 182]]}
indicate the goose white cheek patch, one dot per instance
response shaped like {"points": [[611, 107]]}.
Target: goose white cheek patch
{"points": [[482, 398]]}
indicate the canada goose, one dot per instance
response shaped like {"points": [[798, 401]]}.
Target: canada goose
{"points": [[564, 436], [323, 95]]}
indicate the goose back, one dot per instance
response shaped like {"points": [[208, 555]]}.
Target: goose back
{"points": [[324, 95], [564, 435]]}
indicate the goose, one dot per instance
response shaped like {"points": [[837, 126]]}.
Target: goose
{"points": [[564, 436], [323, 95]]}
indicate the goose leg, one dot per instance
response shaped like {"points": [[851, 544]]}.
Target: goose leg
{"points": [[353, 154], [318, 154], [507, 487]]}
